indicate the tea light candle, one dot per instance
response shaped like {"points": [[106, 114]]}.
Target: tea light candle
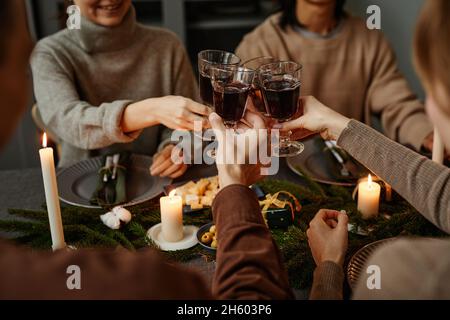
{"points": [[368, 198], [172, 217], [51, 195]]}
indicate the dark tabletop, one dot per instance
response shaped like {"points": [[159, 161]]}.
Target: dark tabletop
{"points": [[24, 189]]}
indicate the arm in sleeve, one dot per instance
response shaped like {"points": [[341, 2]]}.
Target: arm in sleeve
{"points": [[73, 120], [402, 114], [422, 182], [104, 274], [328, 282], [249, 265]]}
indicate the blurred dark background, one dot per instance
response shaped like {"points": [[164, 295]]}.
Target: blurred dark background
{"points": [[205, 24]]}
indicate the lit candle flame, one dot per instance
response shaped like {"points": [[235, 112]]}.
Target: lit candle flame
{"points": [[44, 140], [370, 181], [172, 193]]}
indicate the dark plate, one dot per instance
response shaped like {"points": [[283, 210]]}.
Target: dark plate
{"points": [[78, 182], [318, 163], [357, 263], [200, 232]]}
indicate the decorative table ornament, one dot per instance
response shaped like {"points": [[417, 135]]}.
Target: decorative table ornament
{"points": [[116, 217], [51, 195], [279, 213]]}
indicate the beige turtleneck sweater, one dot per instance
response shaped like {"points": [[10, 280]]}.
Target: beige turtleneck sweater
{"points": [[354, 72], [84, 79]]}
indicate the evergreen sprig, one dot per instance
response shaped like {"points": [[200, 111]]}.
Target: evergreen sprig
{"points": [[83, 227]]}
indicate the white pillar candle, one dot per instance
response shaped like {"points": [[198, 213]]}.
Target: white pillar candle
{"points": [[172, 217], [51, 195], [368, 198], [438, 148]]}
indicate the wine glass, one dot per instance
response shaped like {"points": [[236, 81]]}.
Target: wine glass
{"points": [[231, 87], [206, 60], [255, 92], [280, 83]]}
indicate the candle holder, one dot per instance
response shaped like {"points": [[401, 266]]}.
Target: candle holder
{"points": [[188, 241]]}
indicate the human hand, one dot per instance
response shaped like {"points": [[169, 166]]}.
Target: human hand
{"points": [[328, 236], [232, 171], [178, 112], [163, 165], [174, 112], [317, 118], [252, 120]]}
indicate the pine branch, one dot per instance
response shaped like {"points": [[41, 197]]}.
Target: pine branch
{"points": [[83, 227], [23, 226], [88, 237]]}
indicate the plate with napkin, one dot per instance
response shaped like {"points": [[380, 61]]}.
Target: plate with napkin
{"points": [[107, 181]]}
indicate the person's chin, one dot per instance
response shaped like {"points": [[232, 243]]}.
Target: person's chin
{"points": [[110, 21]]}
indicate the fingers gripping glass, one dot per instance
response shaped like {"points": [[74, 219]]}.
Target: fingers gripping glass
{"points": [[280, 83]]}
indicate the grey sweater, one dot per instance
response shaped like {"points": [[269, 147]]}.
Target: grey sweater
{"points": [[84, 79], [410, 269]]}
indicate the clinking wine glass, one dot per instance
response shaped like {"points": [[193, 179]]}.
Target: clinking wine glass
{"points": [[231, 88], [255, 93], [280, 83], [208, 59]]}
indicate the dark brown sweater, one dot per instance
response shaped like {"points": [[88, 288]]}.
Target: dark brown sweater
{"points": [[248, 265]]}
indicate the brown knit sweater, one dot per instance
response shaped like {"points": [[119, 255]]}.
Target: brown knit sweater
{"points": [[355, 72], [410, 269]]}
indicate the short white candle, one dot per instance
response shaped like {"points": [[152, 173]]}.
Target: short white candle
{"points": [[51, 195], [172, 217], [368, 198]]}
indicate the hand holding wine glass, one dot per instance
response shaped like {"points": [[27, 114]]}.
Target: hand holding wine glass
{"points": [[318, 118], [234, 171]]}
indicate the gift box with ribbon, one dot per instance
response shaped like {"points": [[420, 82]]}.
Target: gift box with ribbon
{"points": [[279, 209]]}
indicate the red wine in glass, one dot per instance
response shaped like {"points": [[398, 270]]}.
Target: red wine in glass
{"points": [[257, 99], [206, 90], [229, 102], [281, 98]]}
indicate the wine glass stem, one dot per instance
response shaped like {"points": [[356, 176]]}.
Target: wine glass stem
{"points": [[230, 124]]}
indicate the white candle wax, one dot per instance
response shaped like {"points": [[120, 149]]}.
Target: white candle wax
{"points": [[438, 148], [172, 217], [51, 196], [368, 198]]}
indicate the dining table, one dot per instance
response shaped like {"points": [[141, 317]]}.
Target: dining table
{"points": [[24, 189]]}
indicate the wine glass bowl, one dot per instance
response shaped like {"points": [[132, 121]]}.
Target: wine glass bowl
{"points": [[208, 59], [280, 86], [255, 92], [231, 88]]}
